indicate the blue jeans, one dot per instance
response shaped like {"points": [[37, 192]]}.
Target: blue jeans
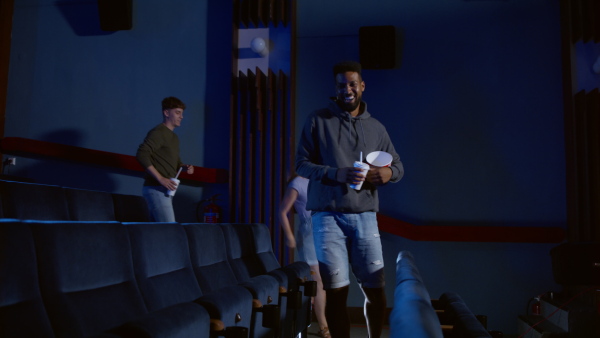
{"points": [[305, 243], [159, 203], [348, 237]]}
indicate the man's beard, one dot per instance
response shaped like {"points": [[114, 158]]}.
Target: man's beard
{"points": [[350, 106]]}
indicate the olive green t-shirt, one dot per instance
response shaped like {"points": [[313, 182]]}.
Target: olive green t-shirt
{"points": [[160, 149]]}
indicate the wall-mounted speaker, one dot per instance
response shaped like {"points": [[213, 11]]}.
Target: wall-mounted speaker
{"points": [[377, 47], [115, 15]]}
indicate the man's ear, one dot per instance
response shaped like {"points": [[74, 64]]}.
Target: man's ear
{"points": [[165, 113]]}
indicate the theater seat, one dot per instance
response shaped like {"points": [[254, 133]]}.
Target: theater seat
{"points": [[33, 201], [465, 323], [22, 311], [90, 205], [210, 260], [412, 315], [165, 275], [130, 208], [88, 284], [294, 277]]}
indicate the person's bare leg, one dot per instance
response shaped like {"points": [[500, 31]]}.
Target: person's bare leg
{"points": [[375, 304], [319, 301], [336, 312]]}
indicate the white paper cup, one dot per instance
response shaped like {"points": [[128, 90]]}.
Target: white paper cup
{"points": [[379, 159], [365, 170], [172, 192]]}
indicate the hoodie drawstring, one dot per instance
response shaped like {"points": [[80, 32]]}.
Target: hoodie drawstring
{"points": [[352, 126], [363, 133]]}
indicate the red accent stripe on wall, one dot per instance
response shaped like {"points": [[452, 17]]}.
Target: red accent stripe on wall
{"points": [[28, 147], [459, 233]]}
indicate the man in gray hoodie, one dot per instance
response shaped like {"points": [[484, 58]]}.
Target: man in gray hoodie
{"points": [[344, 219]]}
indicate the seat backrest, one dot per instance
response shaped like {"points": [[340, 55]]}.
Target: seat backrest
{"points": [[90, 205], [264, 247], [22, 311], [240, 251], [209, 256], [130, 208], [406, 268], [464, 321], [413, 314], [86, 276], [222, 294], [33, 201], [162, 265]]}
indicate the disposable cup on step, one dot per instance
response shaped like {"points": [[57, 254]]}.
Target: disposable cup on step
{"points": [[172, 192], [365, 169]]}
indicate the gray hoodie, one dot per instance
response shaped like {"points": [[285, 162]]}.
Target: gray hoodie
{"points": [[333, 139]]}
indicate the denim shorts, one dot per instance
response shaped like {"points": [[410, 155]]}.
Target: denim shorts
{"points": [[348, 239], [160, 204], [305, 243]]}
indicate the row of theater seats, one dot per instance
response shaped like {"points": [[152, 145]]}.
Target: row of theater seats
{"points": [[23, 200], [114, 279], [76, 263], [416, 315]]}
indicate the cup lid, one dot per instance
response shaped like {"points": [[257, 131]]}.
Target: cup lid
{"points": [[379, 159]]}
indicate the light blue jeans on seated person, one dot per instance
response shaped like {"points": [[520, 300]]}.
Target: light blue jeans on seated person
{"points": [[354, 237], [159, 203]]}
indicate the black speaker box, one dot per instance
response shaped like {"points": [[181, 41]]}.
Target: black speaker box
{"points": [[576, 263], [115, 15], [377, 47]]}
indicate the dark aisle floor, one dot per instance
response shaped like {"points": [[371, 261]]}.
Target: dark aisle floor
{"points": [[357, 331]]}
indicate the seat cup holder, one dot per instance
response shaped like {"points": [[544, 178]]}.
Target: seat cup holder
{"points": [[294, 300], [236, 332], [310, 288], [271, 316]]}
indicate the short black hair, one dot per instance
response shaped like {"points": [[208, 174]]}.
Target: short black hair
{"points": [[347, 66], [172, 102]]}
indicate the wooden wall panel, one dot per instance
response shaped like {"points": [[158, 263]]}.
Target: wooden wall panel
{"points": [[593, 148], [580, 23], [584, 20], [582, 214], [262, 151], [262, 13], [6, 15], [262, 131], [585, 219]]}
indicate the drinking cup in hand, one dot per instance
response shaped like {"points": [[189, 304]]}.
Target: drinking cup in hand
{"points": [[172, 192], [365, 169]]}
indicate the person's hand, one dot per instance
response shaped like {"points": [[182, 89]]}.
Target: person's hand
{"points": [[379, 175], [350, 175], [189, 168], [290, 241], [167, 183]]}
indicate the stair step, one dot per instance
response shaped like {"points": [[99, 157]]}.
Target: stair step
{"points": [[544, 329], [558, 316], [575, 317]]}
